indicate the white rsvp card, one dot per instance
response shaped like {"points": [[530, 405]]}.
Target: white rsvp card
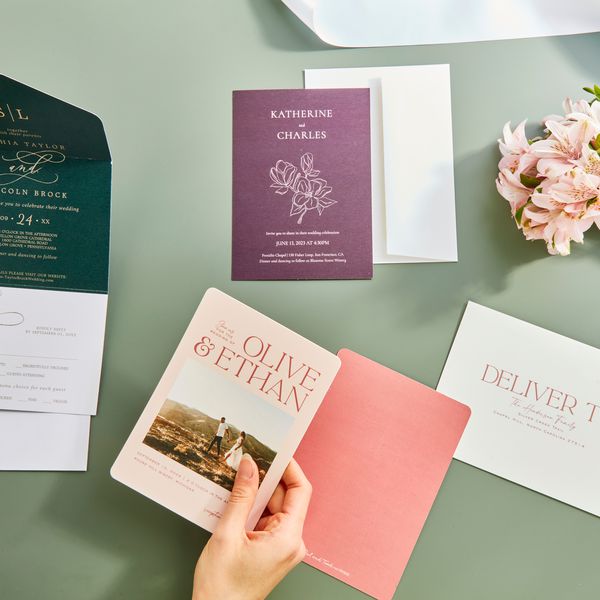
{"points": [[412, 187], [50, 350], [535, 401]]}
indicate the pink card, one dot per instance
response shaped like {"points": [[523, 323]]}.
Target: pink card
{"points": [[238, 383], [379, 445]]}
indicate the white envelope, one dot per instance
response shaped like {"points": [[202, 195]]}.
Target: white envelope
{"points": [[412, 187], [31, 441], [363, 23], [535, 405]]}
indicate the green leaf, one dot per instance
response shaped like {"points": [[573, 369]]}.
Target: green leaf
{"points": [[591, 201], [530, 182], [595, 91], [596, 143], [519, 214]]}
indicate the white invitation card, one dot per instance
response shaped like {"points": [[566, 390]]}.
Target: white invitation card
{"points": [[535, 401]]}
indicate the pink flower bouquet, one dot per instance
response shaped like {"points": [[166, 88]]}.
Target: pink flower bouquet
{"points": [[552, 183]]}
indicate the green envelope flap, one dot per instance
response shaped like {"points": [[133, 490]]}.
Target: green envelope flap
{"points": [[80, 132]]}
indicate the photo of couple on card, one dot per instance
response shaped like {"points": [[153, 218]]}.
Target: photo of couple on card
{"points": [[191, 428]]}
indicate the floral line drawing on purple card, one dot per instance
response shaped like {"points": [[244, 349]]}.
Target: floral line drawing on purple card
{"points": [[310, 191]]}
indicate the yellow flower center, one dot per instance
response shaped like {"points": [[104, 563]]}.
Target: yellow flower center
{"points": [[593, 165]]}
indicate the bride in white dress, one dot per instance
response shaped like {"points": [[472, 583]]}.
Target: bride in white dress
{"points": [[234, 455]]}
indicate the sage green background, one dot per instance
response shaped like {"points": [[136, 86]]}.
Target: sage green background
{"points": [[160, 76]]}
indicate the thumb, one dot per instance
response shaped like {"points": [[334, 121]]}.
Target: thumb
{"points": [[241, 498]]}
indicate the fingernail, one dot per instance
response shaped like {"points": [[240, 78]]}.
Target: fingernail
{"points": [[246, 470]]}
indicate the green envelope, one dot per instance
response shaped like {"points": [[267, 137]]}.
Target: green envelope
{"points": [[55, 184], [55, 175]]}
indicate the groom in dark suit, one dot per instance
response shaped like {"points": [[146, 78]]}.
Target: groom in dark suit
{"points": [[222, 430]]}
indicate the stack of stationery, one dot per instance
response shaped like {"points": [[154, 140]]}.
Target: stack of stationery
{"points": [[55, 173], [324, 185], [336, 177], [238, 383], [375, 442]]}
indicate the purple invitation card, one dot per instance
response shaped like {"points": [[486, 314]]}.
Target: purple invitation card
{"points": [[301, 185]]}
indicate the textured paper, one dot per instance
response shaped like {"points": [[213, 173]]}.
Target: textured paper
{"points": [[55, 175], [216, 372], [535, 397], [376, 453], [412, 188], [363, 23], [301, 185]]}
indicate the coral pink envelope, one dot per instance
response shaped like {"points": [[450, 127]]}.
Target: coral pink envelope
{"points": [[376, 454]]}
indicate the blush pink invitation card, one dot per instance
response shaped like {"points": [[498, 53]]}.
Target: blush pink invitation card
{"points": [[376, 454], [535, 397], [238, 383]]}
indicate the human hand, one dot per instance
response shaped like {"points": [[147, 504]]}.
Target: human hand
{"points": [[246, 565]]}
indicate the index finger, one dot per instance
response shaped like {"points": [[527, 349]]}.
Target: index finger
{"points": [[298, 493]]}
